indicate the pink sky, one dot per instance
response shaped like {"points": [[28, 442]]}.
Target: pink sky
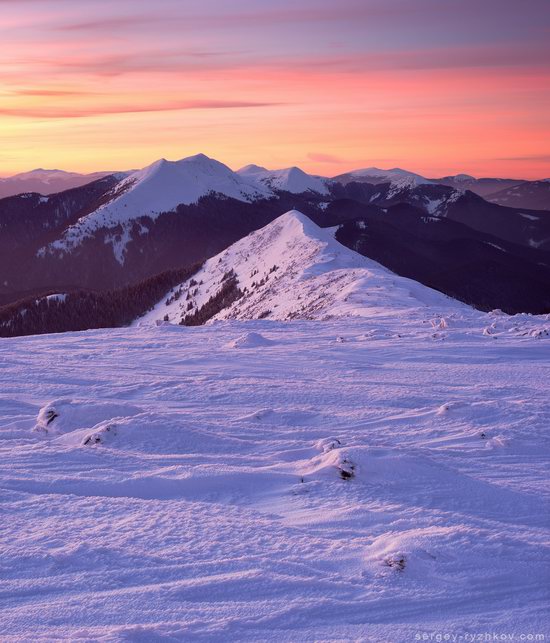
{"points": [[436, 87]]}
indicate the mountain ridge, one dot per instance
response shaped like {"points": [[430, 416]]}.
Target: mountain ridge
{"points": [[293, 269], [113, 232]]}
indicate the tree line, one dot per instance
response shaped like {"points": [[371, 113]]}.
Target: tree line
{"points": [[83, 310]]}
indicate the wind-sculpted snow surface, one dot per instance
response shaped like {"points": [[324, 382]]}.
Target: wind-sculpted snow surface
{"points": [[373, 479]]}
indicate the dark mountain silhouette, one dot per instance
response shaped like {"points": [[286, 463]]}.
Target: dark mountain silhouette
{"points": [[476, 268]]}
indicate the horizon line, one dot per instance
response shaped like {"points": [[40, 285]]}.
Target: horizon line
{"points": [[353, 168]]}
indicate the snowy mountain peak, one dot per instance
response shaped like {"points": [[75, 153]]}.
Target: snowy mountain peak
{"points": [[394, 171], [391, 173], [251, 169], [198, 157], [295, 217], [163, 185], [293, 269], [290, 179], [158, 188], [294, 225], [376, 175], [41, 170], [463, 177], [199, 163]]}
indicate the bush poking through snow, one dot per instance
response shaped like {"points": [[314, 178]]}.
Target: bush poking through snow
{"points": [[46, 416], [328, 444], [66, 416], [346, 469], [396, 561], [98, 437], [50, 416]]}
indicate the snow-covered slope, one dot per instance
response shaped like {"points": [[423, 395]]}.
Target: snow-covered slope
{"points": [[164, 185], [396, 175], [291, 179], [159, 188], [293, 269]]}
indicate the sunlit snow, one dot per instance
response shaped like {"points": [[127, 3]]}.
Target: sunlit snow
{"points": [[374, 468]]}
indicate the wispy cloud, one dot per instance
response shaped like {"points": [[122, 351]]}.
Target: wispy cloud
{"points": [[54, 111], [108, 23], [424, 80], [51, 92], [533, 157], [319, 157]]}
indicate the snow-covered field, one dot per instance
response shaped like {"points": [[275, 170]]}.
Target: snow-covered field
{"points": [[369, 479]]}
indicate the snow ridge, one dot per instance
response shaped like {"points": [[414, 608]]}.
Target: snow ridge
{"points": [[292, 269]]}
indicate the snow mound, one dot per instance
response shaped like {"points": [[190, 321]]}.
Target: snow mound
{"points": [[497, 442], [103, 433], [449, 407], [333, 462], [66, 415], [328, 444], [145, 432], [250, 340], [540, 333], [281, 417], [413, 554]]}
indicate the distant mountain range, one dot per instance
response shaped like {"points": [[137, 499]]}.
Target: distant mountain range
{"points": [[509, 192], [45, 181], [123, 228]]}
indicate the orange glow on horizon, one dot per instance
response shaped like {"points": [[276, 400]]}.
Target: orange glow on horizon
{"points": [[88, 104]]}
